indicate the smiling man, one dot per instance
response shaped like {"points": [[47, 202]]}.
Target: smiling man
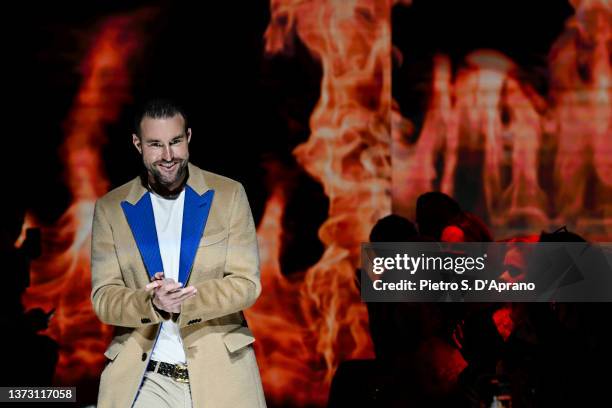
{"points": [[174, 264], [163, 143]]}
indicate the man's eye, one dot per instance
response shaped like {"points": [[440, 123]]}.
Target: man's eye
{"points": [[176, 141]]}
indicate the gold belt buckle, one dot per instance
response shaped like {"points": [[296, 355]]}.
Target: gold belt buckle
{"points": [[180, 373]]}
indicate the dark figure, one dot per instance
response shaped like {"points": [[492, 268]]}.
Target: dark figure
{"points": [[22, 340], [556, 352], [434, 212], [403, 334]]}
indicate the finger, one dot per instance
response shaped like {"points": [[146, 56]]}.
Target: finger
{"points": [[169, 296], [184, 296], [181, 293], [158, 276], [168, 285], [177, 305], [176, 287], [152, 285]]}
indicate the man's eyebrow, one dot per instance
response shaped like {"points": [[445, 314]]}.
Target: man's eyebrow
{"points": [[181, 136]]}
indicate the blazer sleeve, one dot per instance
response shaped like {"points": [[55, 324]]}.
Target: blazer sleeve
{"points": [[240, 285], [113, 302]]}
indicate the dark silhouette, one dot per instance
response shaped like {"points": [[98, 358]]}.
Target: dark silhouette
{"points": [[30, 357], [435, 211], [400, 374]]}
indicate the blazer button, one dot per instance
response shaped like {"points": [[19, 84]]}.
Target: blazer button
{"points": [[144, 356], [145, 320]]}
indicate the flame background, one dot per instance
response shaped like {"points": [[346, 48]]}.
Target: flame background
{"points": [[331, 113]]}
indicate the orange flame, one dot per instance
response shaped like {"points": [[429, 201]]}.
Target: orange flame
{"points": [[61, 277], [505, 134], [464, 120], [283, 355], [348, 152]]}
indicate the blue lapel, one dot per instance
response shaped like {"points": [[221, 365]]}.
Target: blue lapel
{"points": [[195, 215], [142, 223]]}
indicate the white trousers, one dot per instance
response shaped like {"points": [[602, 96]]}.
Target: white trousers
{"points": [[159, 391]]}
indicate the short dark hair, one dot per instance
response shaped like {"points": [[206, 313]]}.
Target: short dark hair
{"points": [[158, 108], [393, 228], [434, 212]]}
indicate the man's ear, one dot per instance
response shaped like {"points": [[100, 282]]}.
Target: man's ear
{"points": [[188, 135], [136, 141]]}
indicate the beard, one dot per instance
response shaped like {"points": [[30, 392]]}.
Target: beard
{"points": [[166, 180]]}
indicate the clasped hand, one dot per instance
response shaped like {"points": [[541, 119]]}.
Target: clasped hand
{"points": [[169, 295]]}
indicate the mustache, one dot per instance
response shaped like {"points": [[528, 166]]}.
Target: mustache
{"points": [[178, 161]]}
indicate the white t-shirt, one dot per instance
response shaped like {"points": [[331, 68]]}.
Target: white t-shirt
{"points": [[168, 215]]}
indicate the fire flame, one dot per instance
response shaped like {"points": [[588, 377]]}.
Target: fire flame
{"points": [[283, 353], [348, 152], [505, 131], [484, 113], [61, 277]]}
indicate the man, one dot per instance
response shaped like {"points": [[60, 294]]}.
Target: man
{"points": [[174, 263]]}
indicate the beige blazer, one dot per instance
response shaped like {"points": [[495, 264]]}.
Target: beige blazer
{"points": [[222, 368]]}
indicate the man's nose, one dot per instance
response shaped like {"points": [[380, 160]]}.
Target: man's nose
{"points": [[167, 153]]}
